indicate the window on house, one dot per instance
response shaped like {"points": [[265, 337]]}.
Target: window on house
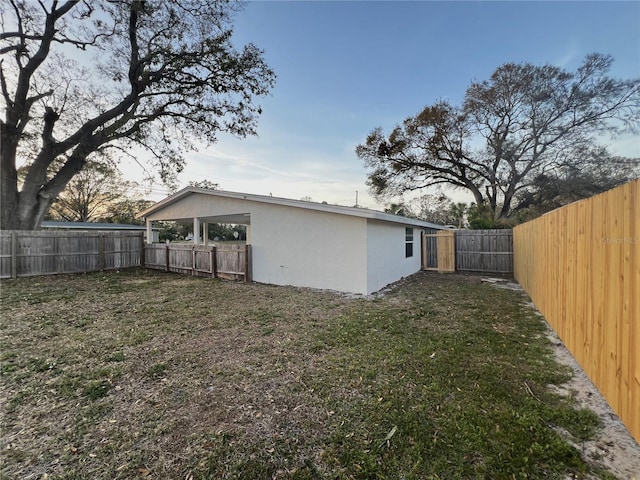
{"points": [[408, 246]]}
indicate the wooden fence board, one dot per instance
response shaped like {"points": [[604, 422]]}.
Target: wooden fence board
{"points": [[228, 261], [581, 266], [446, 251], [488, 251], [438, 251], [30, 253]]}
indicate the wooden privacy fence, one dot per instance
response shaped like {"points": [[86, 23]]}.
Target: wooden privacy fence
{"points": [[30, 253], [489, 251], [484, 251], [232, 262], [581, 266]]}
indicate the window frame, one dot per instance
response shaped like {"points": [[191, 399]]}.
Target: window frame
{"points": [[408, 242]]}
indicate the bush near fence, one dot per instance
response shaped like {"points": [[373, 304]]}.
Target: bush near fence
{"points": [[581, 266]]}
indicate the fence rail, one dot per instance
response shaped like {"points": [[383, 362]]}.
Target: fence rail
{"points": [[581, 266], [232, 262], [30, 253], [488, 251]]}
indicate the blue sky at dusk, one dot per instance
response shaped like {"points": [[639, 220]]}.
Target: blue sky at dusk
{"points": [[345, 68]]}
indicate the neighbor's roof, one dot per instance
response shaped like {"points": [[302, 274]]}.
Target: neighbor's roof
{"points": [[323, 207], [91, 226]]}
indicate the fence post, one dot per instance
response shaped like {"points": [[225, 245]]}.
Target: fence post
{"points": [[423, 250], [166, 258], [247, 262], [56, 249], [193, 260], [142, 252], [14, 255], [101, 251], [214, 262]]}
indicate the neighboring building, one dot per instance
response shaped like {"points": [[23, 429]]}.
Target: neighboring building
{"points": [[105, 227], [307, 244]]}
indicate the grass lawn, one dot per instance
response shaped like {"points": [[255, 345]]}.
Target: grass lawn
{"points": [[143, 374]]}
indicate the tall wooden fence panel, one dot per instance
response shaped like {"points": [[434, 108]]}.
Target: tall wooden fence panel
{"points": [[488, 251], [581, 266], [30, 253]]}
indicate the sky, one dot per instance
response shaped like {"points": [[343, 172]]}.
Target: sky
{"points": [[345, 68]]}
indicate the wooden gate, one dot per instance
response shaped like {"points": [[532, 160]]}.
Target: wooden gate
{"points": [[439, 251]]}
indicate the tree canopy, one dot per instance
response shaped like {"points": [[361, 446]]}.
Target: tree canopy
{"points": [[523, 122], [83, 81]]}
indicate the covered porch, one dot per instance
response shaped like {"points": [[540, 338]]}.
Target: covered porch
{"points": [[201, 226], [200, 256]]}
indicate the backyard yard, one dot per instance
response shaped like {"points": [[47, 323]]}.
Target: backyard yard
{"points": [[141, 374]]}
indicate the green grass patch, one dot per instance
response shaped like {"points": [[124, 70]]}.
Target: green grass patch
{"points": [[157, 371], [97, 389], [144, 374], [116, 357]]}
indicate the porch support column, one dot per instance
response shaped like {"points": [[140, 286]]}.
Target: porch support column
{"points": [[196, 231], [205, 233], [149, 232]]}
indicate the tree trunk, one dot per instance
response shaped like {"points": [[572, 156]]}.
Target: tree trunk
{"points": [[506, 206], [23, 214], [25, 210], [10, 218]]}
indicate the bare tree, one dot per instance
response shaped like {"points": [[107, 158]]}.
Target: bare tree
{"points": [[530, 120], [125, 209], [90, 194], [434, 208], [79, 78], [402, 209]]}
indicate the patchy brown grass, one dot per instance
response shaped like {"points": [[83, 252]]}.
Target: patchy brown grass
{"points": [[140, 374]]}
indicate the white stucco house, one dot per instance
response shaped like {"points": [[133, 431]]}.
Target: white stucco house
{"points": [[308, 244]]}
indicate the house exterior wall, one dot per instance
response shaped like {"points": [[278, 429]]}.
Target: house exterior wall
{"points": [[386, 260], [291, 246]]}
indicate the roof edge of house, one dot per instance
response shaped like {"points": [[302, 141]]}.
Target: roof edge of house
{"points": [[324, 207]]}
